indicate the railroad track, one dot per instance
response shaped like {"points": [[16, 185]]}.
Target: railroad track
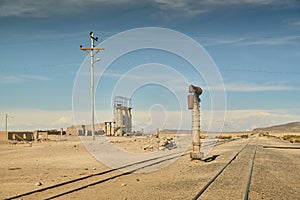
{"points": [[67, 187], [234, 178], [81, 183]]}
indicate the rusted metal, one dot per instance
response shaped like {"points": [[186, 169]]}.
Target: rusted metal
{"points": [[89, 49], [190, 102]]}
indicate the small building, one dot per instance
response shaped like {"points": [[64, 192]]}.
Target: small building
{"points": [[82, 130], [20, 135], [3, 136], [48, 134]]}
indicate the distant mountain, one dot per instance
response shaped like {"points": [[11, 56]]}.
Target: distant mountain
{"points": [[289, 127]]}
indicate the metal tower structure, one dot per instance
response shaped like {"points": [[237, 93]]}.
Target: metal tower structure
{"points": [[123, 116], [194, 104], [93, 51]]}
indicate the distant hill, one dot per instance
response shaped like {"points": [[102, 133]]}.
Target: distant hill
{"points": [[174, 131], [289, 127]]}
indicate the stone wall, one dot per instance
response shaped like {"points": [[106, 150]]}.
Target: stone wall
{"points": [[3, 136]]}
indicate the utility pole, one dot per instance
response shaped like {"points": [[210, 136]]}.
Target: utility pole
{"points": [[92, 55], [6, 116]]}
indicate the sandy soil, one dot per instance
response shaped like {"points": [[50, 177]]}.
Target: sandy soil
{"points": [[275, 174]]}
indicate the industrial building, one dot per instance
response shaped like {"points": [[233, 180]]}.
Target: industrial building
{"points": [[123, 115], [28, 136]]}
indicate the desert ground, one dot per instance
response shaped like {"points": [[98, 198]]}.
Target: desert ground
{"points": [[27, 167]]}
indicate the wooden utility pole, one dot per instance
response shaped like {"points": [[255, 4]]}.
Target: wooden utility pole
{"points": [[92, 55]]}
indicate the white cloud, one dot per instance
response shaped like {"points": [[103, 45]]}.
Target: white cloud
{"points": [[189, 4], [157, 117], [251, 119], [233, 40], [22, 78], [62, 121], [187, 8], [16, 8], [273, 41], [296, 23], [251, 87], [31, 119], [42, 8], [191, 8], [236, 120], [251, 41]]}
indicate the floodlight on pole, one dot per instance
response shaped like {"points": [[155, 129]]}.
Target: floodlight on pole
{"points": [[92, 55]]}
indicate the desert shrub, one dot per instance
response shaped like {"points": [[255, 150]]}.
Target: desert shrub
{"points": [[244, 136], [264, 134], [292, 138], [224, 137], [288, 137], [267, 134], [202, 136]]}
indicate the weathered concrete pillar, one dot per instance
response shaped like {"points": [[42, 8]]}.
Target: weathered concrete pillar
{"points": [[194, 104], [119, 121], [61, 133], [196, 130], [157, 133]]}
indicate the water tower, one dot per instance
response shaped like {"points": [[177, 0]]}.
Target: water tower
{"points": [[123, 116], [194, 105]]}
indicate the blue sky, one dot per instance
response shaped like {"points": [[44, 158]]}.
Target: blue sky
{"points": [[254, 43]]}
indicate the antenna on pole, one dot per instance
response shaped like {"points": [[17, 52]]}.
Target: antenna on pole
{"points": [[92, 54]]}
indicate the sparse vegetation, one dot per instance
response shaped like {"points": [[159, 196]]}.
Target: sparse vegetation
{"points": [[244, 136], [264, 134], [267, 134], [14, 168], [223, 137], [292, 138]]}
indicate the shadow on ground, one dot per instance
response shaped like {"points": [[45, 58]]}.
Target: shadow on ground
{"points": [[211, 158]]}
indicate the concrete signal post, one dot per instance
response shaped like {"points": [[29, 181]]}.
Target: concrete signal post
{"points": [[93, 51], [194, 105]]}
